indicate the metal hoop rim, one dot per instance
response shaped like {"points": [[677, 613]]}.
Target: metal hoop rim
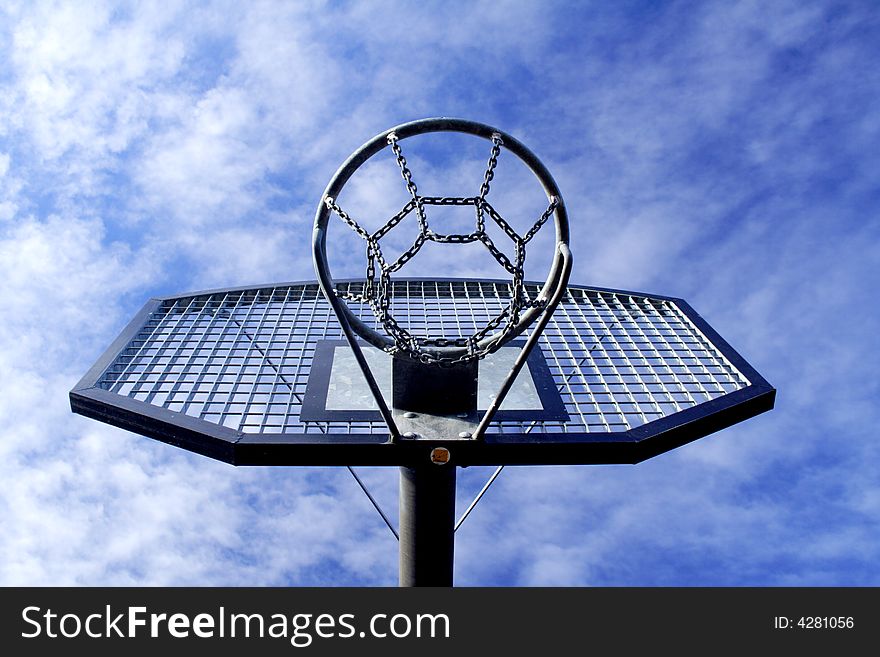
{"points": [[424, 126]]}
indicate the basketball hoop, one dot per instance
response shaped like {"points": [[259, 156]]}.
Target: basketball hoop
{"points": [[437, 377], [520, 312]]}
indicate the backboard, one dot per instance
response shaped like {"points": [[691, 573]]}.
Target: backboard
{"points": [[262, 376], [421, 373]]}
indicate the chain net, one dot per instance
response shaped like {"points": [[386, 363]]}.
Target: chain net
{"points": [[377, 289]]}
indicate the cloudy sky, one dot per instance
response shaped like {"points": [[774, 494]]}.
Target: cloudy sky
{"points": [[724, 152]]}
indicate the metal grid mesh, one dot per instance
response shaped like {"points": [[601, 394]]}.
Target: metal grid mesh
{"points": [[242, 358]]}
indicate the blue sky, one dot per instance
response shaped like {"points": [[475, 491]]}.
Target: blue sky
{"points": [[724, 152]]}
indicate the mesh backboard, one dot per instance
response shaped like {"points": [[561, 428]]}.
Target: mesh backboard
{"points": [[259, 376]]}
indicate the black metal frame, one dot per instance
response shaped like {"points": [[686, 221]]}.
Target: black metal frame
{"points": [[240, 448]]}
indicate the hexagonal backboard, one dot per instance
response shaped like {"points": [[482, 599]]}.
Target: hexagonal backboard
{"points": [[258, 376]]}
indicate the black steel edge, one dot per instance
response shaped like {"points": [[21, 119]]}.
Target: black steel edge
{"points": [[169, 427], [91, 378], [296, 451], [673, 431]]}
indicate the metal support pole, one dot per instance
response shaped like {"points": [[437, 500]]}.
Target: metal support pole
{"points": [[427, 521]]}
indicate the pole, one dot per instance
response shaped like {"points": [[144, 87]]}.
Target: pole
{"points": [[427, 522]]}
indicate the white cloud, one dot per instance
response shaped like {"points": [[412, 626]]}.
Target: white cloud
{"points": [[200, 173], [10, 186], [82, 75], [61, 281]]}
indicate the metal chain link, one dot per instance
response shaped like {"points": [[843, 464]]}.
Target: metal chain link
{"points": [[407, 177], [331, 204], [544, 217], [452, 239], [396, 219], [449, 200], [408, 255], [487, 178], [462, 238], [502, 259], [377, 293], [490, 167], [500, 222]]}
